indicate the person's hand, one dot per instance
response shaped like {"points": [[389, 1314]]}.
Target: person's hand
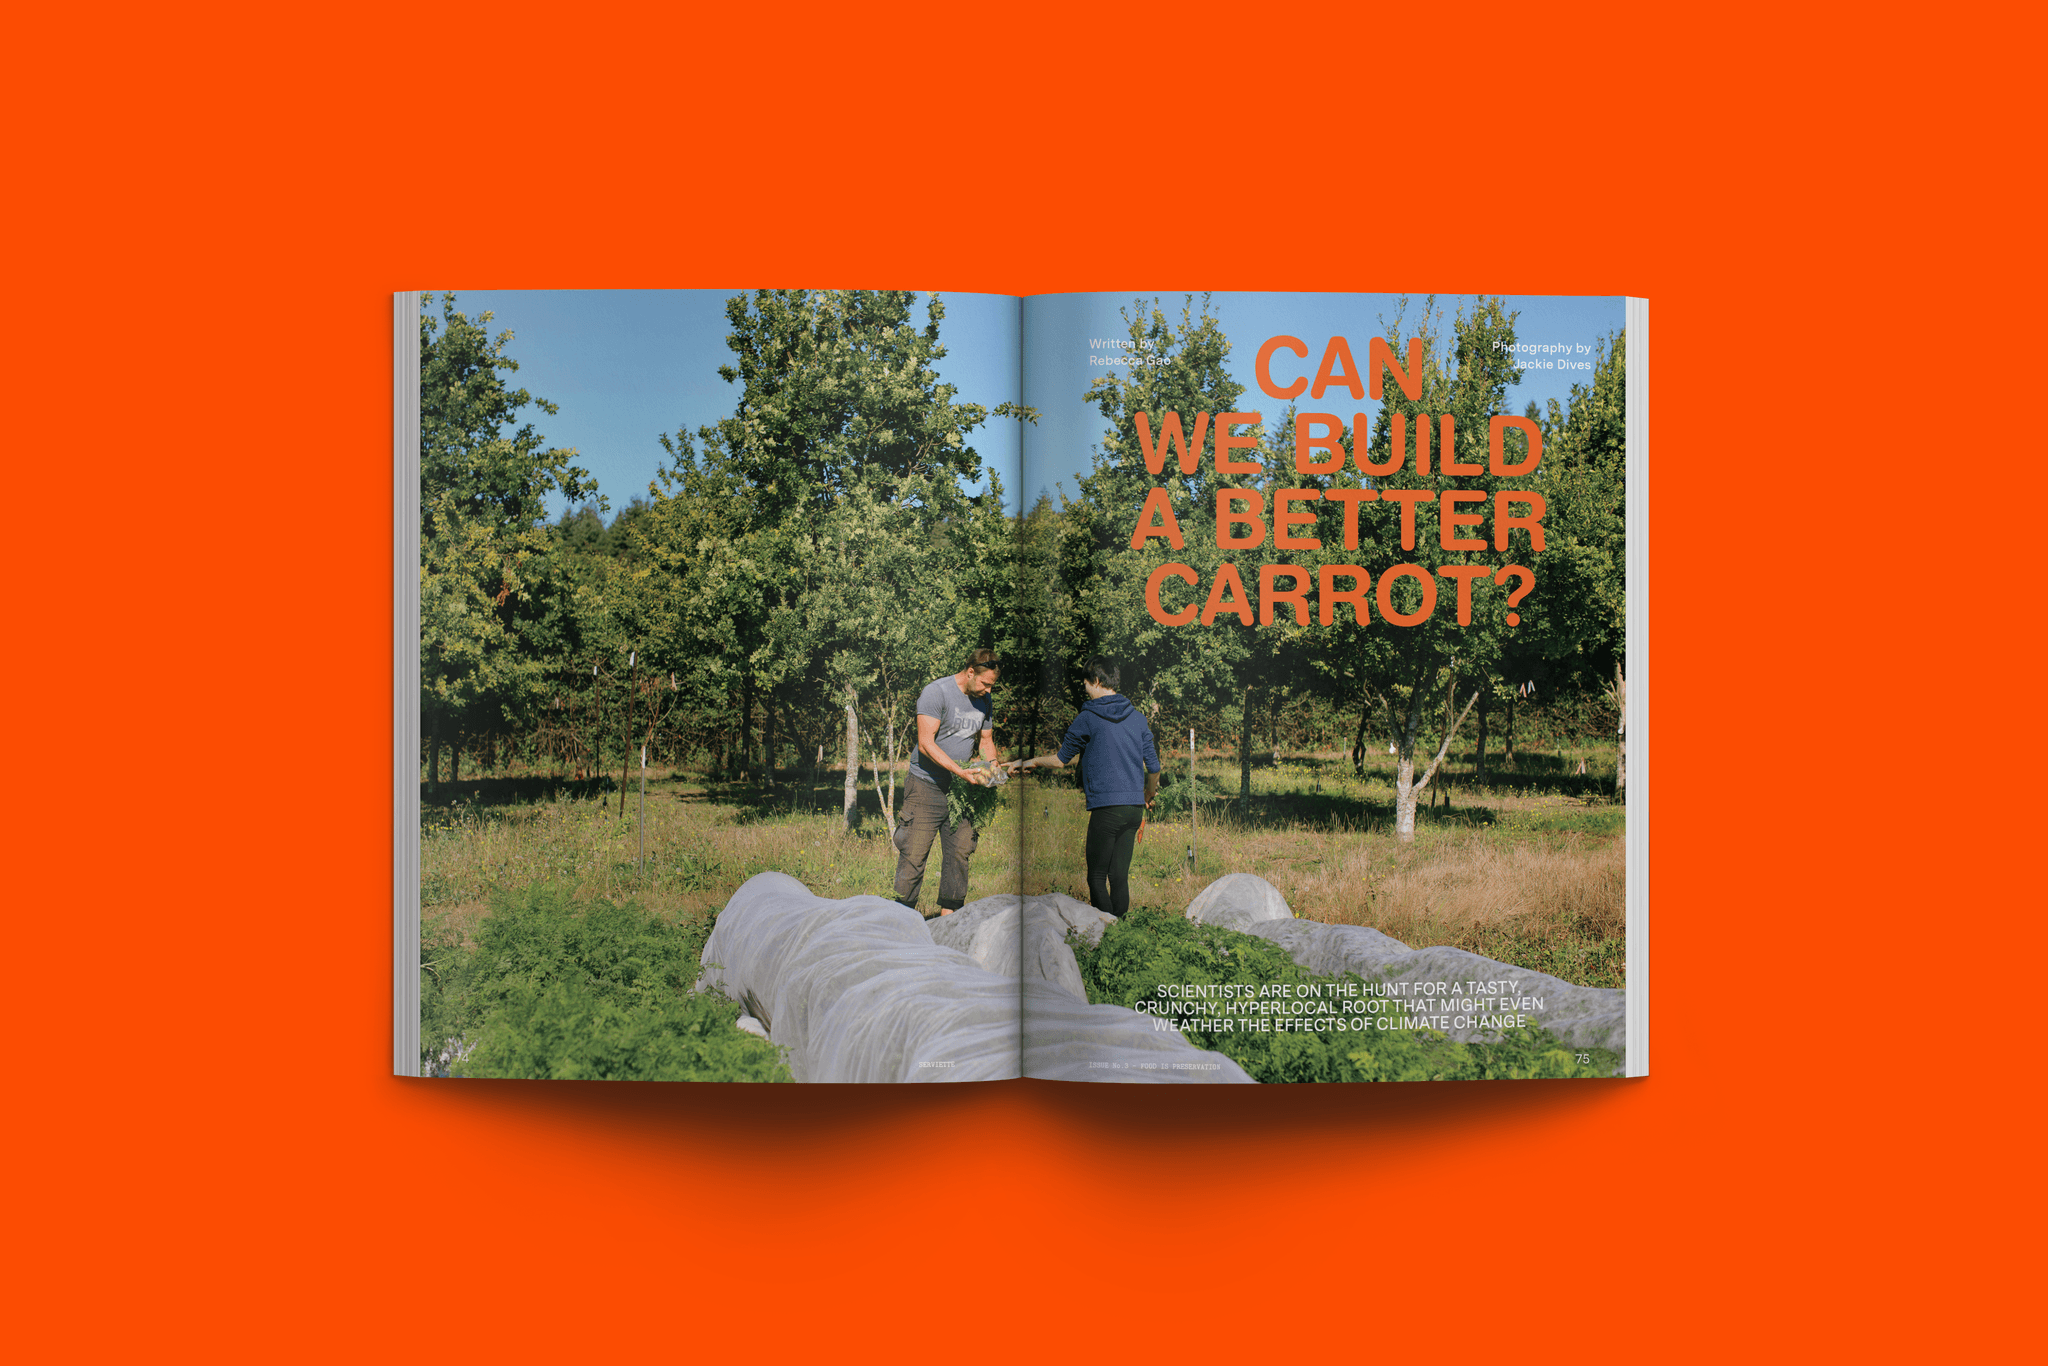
{"points": [[975, 776]]}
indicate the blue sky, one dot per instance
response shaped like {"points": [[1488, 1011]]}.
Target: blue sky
{"points": [[1058, 328], [627, 365]]}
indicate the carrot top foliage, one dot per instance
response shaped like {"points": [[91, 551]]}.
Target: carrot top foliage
{"points": [[973, 801], [1146, 951], [581, 990]]}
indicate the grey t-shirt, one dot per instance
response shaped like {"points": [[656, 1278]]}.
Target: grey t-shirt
{"points": [[962, 719]]}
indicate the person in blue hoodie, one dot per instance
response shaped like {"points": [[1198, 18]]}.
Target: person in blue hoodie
{"points": [[1119, 779]]}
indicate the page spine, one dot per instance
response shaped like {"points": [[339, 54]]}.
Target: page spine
{"points": [[405, 683], [1637, 422]]}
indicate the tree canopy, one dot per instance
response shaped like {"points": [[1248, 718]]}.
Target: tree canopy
{"points": [[800, 568], [489, 592]]}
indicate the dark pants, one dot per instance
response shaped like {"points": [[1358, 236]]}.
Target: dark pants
{"points": [[925, 806], [1112, 835]]}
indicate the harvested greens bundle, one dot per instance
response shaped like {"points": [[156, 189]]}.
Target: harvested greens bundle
{"points": [[975, 802]]}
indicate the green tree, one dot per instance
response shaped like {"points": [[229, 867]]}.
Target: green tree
{"points": [[1429, 675], [581, 530], [1177, 669], [822, 539], [1426, 632], [1586, 475], [487, 640], [883, 604]]}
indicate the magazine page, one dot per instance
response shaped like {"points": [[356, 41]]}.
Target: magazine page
{"points": [[704, 729], [1329, 762]]}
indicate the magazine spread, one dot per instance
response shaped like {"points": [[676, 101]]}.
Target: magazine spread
{"points": [[835, 685]]}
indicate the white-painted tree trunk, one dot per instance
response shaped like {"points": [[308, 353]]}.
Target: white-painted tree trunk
{"points": [[1621, 736], [889, 802], [1405, 794], [887, 798], [852, 756], [1408, 788]]}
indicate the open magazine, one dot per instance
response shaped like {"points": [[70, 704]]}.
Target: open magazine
{"points": [[831, 685]]}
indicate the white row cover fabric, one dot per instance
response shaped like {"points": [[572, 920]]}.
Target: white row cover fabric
{"points": [[1066, 1038], [1437, 980], [858, 991], [1238, 901], [1026, 937], [1585, 1017]]}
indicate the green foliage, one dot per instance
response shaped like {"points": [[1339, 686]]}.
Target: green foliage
{"points": [[1146, 951], [1584, 475], [568, 1032], [581, 531], [488, 581], [1178, 793], [973, 801], [1568, 949], [1191, 666], [596, 990], [489, 471], [819, 549]]}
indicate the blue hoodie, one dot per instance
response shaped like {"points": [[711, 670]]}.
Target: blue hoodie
{"points": [[1118, 751]]}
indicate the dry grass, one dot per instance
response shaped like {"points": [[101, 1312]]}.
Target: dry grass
{"points": [[1532, 879], [1474, 880], [698, 851]]}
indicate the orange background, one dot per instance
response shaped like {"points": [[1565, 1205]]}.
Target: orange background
{"points": [[209, 210]]}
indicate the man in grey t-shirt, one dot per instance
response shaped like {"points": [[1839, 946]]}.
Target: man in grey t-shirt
{"points": [[952, 719]]}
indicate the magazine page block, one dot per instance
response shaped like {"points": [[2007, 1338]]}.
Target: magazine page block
{"points": [[895, 686]]}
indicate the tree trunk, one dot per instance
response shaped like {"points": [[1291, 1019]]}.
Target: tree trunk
{"points": [[626, 735], [1358, 741], [1244, 753], [1508, 757], [1408, 788], [746, 765], [596, 764], [1621, 735], [1405, 791], [1485, 709], [768, 736], [1450, 703], [434, 756], [887, 759], [454, 764], [852, 793]]}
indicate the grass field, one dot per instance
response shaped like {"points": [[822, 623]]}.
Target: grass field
{"points": [[1528, 870]]}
